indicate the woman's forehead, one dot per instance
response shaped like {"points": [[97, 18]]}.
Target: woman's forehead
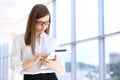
{"points": [[45, 18]]}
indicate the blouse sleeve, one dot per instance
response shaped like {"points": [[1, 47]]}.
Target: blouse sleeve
{"points": [[16, 57]]}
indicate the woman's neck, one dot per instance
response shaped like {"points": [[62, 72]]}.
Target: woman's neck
{"points": [[38, 34]]}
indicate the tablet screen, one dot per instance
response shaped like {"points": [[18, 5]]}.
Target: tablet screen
{"points": [[60, 50]]}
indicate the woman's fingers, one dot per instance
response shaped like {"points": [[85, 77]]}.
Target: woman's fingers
{"points": [[56, 58], [44, 55]]}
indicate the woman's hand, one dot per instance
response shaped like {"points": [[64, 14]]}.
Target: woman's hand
{"points": [[39, 57], [52, 63]]}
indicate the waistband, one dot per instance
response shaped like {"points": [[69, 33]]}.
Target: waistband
{"points": [[39, 74]]}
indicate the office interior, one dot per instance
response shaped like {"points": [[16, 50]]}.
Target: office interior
{"points": [[88, 29]]}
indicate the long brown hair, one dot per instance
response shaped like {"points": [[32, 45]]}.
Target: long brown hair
{"points": [[38, 11]]}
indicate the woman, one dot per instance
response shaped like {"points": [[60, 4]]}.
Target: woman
{"points": [[30, 50]]}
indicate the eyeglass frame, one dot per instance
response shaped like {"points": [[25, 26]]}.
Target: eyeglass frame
{"points": [[41, 23]]}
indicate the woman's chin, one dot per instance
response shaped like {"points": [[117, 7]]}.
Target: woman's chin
{"points": [[41, 32]]}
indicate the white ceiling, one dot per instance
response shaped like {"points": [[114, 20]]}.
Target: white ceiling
{"points": [[13, 14]]}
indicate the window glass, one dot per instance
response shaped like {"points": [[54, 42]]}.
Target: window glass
{"points": [[63, 20], [112, 16], [5, 40], [87, 60], [86, 18], [112, 52]]}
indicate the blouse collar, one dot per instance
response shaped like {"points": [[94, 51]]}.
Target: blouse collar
{"points": [[42, 34]]}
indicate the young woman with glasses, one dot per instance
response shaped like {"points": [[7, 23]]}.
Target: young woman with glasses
{"points": [[30, 50]]}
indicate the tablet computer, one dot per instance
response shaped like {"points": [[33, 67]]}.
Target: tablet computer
{"points": [[60, 52], [57, 52]]}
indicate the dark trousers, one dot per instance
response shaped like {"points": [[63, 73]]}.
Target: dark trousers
{"points": [[46, 76]]}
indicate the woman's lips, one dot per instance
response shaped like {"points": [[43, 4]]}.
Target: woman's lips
{"points": [[42, 29]]}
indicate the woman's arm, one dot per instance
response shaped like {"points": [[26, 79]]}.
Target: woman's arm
{"points": [[29, 63], [16, 62]]}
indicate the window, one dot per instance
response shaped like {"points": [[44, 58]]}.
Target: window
{"points": [[112, 16], [87, 60], [63, 21], [4, 57], [86, 19]]}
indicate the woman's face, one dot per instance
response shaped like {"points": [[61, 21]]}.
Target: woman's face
{"points": [[42, 24]]}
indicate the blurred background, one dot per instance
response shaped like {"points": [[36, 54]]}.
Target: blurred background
{"points": [[88, 29]]}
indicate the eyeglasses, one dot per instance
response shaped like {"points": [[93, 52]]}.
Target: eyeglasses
{"points": [[41, 23]]}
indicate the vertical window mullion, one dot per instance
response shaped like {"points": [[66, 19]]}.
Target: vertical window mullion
{"points": [[73, 40], [101, 40], [54, 21]]}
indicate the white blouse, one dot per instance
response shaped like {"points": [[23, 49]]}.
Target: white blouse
{"points": [[21, 53]]}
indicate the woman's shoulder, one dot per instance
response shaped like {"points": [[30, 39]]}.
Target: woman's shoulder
{"points": [[19, 37]]}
